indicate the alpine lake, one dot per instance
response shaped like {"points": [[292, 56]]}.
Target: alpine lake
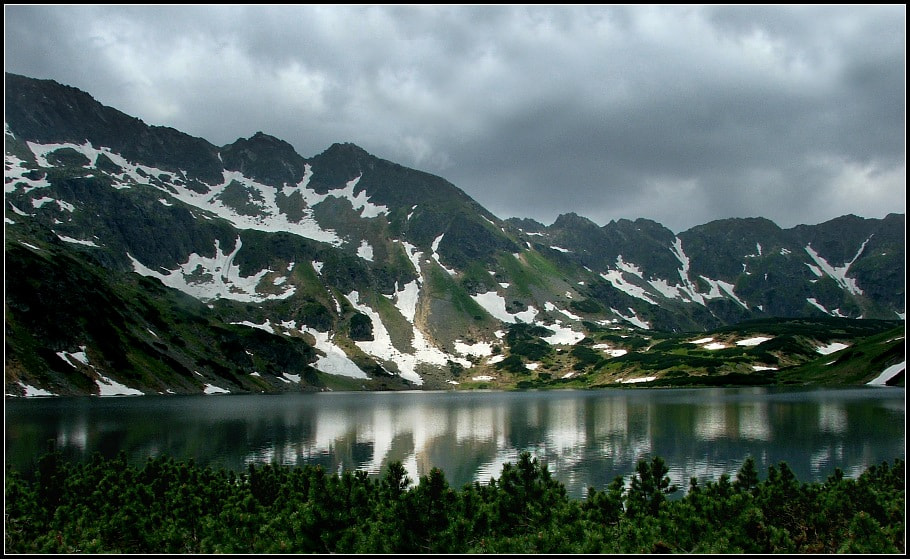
{"points": [[585, 437]]}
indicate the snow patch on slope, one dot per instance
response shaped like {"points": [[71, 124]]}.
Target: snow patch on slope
{"points": [[717, 286], [634, 319], [562, 335], [616, 278], [406, 300], [334, 360], [381, 346], [819, 306], [749, 342], [66, 239], [549, 307], [365, 251], [665, 289], [495, 304], [839, 274], [479, 349], [14, 176], [888, 373], [435, 248], [628, 267], [33, 392], [213, 278], [106, 386], [831, 348], [688, 287]]}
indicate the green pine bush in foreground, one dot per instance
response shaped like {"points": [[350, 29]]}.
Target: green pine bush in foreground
{"points": [[168, 506]]}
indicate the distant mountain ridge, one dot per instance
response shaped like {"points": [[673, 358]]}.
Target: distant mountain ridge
{"points": [[189, 267]]}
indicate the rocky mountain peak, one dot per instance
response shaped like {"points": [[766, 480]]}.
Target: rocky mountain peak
{"points": [[264, 158], [572, 220]]}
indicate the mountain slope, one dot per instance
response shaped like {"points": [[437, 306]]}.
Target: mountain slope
{"points": [[344, 270]]}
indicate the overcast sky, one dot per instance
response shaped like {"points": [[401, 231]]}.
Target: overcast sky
{"points": [[682, 115]]}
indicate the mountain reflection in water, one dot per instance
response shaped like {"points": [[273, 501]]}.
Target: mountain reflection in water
{"points": [[586, 438]]}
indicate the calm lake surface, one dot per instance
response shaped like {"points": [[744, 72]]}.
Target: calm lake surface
{"points": [[586, 438]]}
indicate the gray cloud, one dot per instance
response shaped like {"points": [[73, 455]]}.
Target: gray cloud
{"points": [[679, 114]]}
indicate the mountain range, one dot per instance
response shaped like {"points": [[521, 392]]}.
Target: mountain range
{"points": [[142, 260]]}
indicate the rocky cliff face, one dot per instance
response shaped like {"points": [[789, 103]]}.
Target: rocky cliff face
{"points": [[139, 256]]}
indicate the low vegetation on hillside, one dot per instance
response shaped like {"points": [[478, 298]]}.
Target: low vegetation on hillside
{"points": [[109, 506], [818, 351]]}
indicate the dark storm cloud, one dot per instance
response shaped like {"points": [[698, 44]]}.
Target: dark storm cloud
{"points": [[678, 114]]}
